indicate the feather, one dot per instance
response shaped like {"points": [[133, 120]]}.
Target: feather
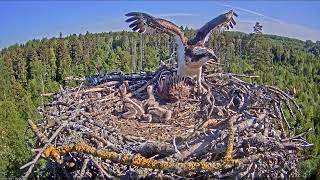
{"points": [[135, 28], [132, 19], [233, 21], [138, 22], [132, 14], [214, 25], [235, 14], [143, 20], [144, 23]]}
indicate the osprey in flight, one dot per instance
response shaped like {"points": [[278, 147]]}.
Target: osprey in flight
{"points": [[192, 53]]}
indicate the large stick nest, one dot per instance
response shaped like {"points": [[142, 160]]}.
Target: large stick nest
{"points": [[155, 125]]}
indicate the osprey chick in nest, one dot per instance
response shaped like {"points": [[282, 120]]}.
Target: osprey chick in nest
{"points": [[193, 53]]}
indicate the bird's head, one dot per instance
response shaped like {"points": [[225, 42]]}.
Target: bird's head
{"points": [[200, 55]]}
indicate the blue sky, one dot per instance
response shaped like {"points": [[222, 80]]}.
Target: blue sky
{"points": [[26, 20]]}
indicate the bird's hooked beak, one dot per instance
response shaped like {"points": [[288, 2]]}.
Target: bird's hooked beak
{"points": [[188, 59], [213, 57]]}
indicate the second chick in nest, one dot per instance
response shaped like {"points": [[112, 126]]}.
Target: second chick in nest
{"points": [[158, 114], [151, 101], [133, 109]]}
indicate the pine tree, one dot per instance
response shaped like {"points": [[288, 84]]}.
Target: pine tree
{"points": [[52, 64], [151, 58], [257, 28], [124, 59], [7, 80], [63, 60], [134, 54], [76, 51]]}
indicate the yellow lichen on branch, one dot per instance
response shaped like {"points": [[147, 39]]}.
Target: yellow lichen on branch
{"points": [[41, 137], [136, 160], [52, 152], [228, 156]]}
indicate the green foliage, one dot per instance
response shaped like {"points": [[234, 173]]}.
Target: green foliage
{"points": [[151, 58], [310, 168], [6, 80], [14, 151], [123, 59]]}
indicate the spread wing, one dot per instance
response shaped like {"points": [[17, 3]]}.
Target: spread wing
{"points": [[219, 23], [141, 22]]}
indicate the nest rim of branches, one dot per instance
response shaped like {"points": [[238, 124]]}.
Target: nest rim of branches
{"points": [[235, 129]]}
